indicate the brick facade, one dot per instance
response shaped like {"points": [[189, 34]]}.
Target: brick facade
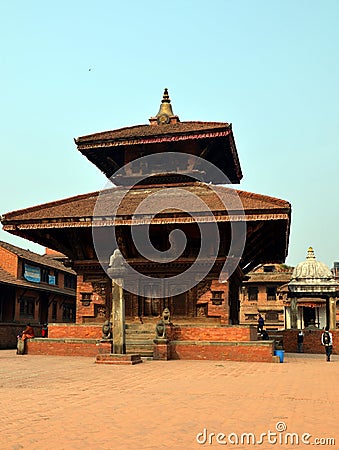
{"points": [[67, 347], [208, 305], [62, 331], [260, 351], [91, 300], [8, 261], [217, 333]]}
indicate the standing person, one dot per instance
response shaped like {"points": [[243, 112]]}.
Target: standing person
{"points": [[261, 323], [44, 330], [326, 340], [300, 340]]}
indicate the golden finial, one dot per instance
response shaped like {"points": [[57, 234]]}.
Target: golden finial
{"points": [[310, 253], [165, 110], [165, 114]]}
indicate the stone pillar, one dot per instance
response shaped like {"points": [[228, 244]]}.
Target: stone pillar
{"points": [[118, 317], [294, 313], [117, 272], [332, 311]]}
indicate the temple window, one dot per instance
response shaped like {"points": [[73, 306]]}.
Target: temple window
{"points": [[68, 313], [251, 317], [272, 316], [44, 275], [27, 307], [253, 293], [69, 281], [217, 297], [271, 292], [54, 311], [269, 269], [86, 298]]}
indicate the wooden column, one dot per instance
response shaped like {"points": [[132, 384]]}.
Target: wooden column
{"points": [[294, 313], [332, 313]]}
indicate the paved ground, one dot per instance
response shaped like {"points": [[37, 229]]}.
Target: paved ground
{"points": [[67, 403]]}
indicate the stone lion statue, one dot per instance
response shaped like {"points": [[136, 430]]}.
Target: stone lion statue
{"points": [[107, 330], [166, 316]]}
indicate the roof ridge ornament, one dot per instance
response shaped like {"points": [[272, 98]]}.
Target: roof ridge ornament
{"points": [[310, 253], [165, 114]]}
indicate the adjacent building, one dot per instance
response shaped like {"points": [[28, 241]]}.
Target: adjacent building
{"points": [[33, 288], [260, 294]]}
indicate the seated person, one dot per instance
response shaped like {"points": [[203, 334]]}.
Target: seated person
{"points": [[264, 335], [27, 333]]}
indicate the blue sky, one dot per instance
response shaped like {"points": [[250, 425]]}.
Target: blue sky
{"points": [[271, 68]]}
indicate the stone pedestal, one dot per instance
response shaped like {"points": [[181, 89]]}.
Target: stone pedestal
{"points": [[110, 358], [161, 350]]}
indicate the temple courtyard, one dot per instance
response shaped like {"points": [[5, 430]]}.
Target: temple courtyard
{"points": [[71, 403]]}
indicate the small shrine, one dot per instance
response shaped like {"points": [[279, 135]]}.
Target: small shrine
{"points": [[312, 295]]}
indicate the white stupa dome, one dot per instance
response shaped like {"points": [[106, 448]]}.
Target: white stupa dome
{"points": [[312, 275]]}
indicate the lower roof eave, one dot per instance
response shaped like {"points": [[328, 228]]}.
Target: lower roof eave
{"points": [[88, 222]]}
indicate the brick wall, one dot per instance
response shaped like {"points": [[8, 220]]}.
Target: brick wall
{"points": [[56, 330], [67, 347], [259, 351], [85, 312], [8, 261], [222, 310], [82, 310], [312, 341], [201, 333]]}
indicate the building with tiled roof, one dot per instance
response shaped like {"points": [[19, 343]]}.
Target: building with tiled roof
{"points": [[33, 288], [259, 294]]}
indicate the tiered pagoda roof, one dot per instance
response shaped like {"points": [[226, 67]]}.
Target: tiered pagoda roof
{"points": [[65, 225]]}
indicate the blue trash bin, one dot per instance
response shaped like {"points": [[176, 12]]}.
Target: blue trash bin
{"points": [[280, 353]]}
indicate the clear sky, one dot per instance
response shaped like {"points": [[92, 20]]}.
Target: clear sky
{"points": [[271, 68]]}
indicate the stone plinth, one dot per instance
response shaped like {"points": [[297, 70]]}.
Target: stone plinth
{"points": [[161, 350], [111, 358]]}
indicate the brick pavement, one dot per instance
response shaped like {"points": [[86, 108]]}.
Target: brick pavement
{"points": [[50, 402]]}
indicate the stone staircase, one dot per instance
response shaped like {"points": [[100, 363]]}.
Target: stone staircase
{"points": [[139, 339]]}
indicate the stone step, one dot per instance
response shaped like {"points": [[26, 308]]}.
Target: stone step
{"points": [[147, 332], [143, 351], [139, 341], [140, 326]]}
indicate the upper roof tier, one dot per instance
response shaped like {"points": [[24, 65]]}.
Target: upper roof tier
{"points": [[112, 150]]}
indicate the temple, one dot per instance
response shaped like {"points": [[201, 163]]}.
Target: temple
{"points": [[157, 171]]}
